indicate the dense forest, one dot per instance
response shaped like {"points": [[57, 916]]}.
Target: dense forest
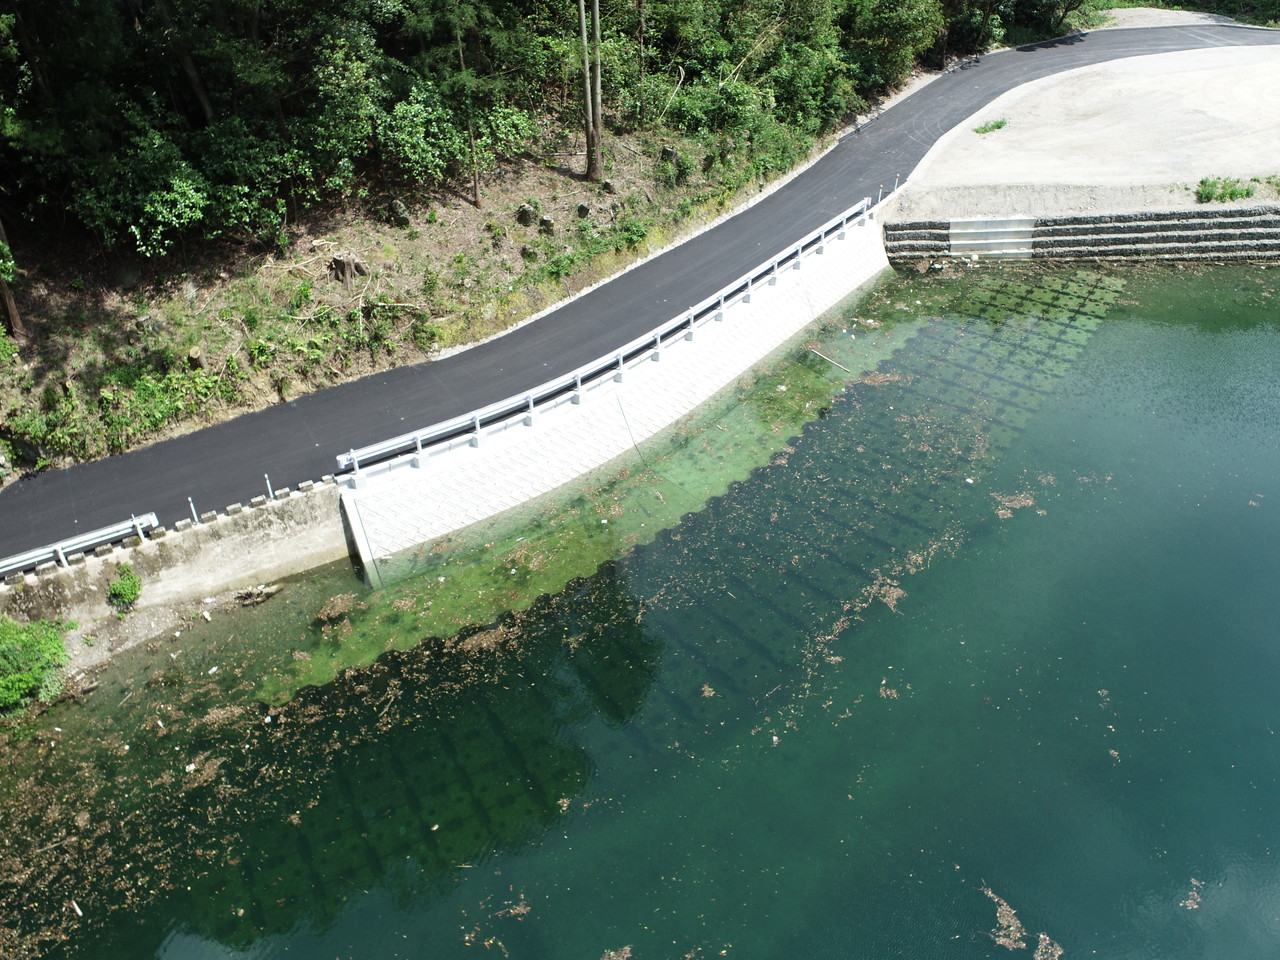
{"points": [[149, 121], [179, 133]]}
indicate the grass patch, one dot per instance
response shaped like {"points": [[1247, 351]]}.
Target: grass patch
{"points": [[1223, 190], [990, 126]]}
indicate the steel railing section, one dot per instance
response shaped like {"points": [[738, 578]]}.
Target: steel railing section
{"points": [[21, 562], [524, 404]]}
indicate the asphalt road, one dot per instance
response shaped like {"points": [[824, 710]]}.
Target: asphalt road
{"points": [[298, 440]]}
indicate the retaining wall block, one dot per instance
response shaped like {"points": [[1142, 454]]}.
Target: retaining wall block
{"points": [[157, 533], [234, 510], [306, 486], [182, 525], [132, 541], [47, 567], [328, 479], [104, 551], [209, 517], [282, 493], [15, 580], [258, 501], [75, 558]]}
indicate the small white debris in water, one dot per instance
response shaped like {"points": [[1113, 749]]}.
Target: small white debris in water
{"points": [[208, 617], [173, 656], [782, 387], [441, 579], [212, 671], [917, 303], [513, 569], [160, 723], [208, 599], [604, 521], [58, 729], [126, 746], [435, 827], [190, 767], [177, 634], [267, 718], [968, 479]]}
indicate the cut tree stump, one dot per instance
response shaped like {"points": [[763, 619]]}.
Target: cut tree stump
{"points": [[346, 266]]}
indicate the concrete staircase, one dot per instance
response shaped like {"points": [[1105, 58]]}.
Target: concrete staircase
{"points": [[1251, 233]]}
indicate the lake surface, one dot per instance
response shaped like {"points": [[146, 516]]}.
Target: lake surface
{"points": [[989, 649]]}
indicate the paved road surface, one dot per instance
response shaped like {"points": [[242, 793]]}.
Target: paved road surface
{"points": [[297, 441]]}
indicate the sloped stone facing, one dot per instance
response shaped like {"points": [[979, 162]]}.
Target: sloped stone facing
{"points": [[1217, 233]]}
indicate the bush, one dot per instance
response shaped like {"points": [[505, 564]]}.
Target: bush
{"points": [[125, 589], [1211, 190], [31, 658]]}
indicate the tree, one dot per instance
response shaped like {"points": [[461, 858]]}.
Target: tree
{"points": [[591, 87], [8, 273]]}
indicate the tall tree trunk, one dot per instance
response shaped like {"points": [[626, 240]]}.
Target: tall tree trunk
{"points": [[12, 319], [597, 112], [593, 161], [471, 131], [640, 37], [188, 65]]}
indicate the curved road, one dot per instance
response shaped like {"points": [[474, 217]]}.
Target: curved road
{"points": [[297, 441]]}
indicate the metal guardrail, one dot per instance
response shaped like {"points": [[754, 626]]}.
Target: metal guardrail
{"points": [[58, 551], [610, 365]]}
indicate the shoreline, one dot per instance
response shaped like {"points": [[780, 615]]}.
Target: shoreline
{"points": [[162, 614]]}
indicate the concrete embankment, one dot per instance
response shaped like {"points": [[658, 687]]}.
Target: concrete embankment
{"points": [[231, 551]]}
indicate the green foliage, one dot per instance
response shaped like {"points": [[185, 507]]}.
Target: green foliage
{"points": [[124, 591], [8, 268], [990, 126], [1224, 190], [420, 137], [31, 658], [157, 123]]}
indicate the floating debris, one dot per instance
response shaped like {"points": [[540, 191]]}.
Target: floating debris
{"points": [[1047, 949], [1009, 931], [1193, 900], [256, 595]]}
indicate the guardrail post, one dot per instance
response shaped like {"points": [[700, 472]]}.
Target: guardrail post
{"points": [[359, 478], [577, 389], [773, 274], [475, 431], [528, 417], [418, 460], [799, 253], [720, 309], [137, 525], [657, 349], [617, 377], [271, 494], [62, 557], [195, 517], [688, 334]]}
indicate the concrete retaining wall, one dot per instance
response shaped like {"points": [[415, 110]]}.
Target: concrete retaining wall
{"points": [[232, 550], [1207, 233]]}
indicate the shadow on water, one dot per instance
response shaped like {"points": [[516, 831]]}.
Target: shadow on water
{"points": [[398, 775]]}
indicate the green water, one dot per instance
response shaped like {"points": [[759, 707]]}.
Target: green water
{"points": [[1007, 608]]}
